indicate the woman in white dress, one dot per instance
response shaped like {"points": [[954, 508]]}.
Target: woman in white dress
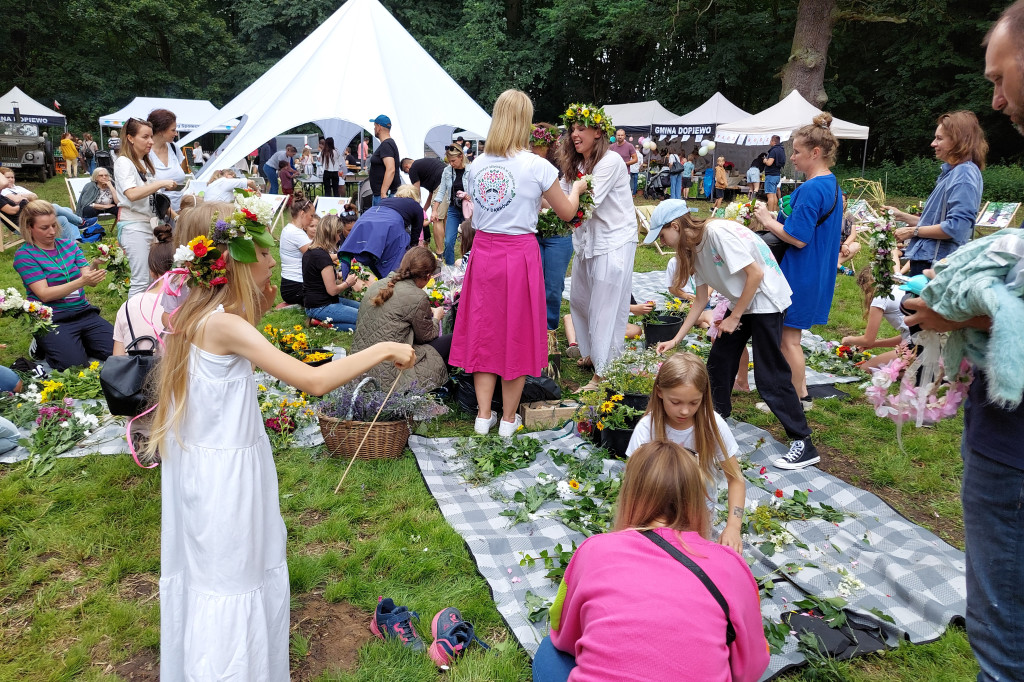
{"points": [[224, 593], [605, 245], [167, 159]]}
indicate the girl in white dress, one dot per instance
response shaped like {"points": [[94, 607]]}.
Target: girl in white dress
{"points": [[224, 595]]}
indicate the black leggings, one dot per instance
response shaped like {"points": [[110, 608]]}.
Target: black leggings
{"points": [[443, 345], [331, 184]]}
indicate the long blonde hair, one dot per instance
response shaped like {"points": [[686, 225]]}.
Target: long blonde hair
{"points": [[691, 234], [686, 369], [663, 486], [510, 124], [328, 233], [818, 134]]}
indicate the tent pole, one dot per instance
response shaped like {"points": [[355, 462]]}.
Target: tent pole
{"points": [[864, 160], [101, 138]]}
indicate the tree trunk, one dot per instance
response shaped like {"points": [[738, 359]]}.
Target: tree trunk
{"points": [[513, 16], [805, 70]]}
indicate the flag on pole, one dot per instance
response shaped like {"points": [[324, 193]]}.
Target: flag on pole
{"points": [[56, 104]]}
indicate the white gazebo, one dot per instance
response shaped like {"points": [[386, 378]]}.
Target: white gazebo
{"points": [[30, 110], [638, 117]]}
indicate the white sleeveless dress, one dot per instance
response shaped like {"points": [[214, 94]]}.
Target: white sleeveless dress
{"points": [[224, 592]]}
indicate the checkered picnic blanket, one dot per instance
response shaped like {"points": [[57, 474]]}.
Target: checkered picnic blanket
{"points": [[908, 573]]}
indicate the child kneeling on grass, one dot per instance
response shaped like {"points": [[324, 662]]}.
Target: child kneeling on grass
{"points": [[635, 580], [732, 260], [224, 590], [877, 308], [680, 411]]}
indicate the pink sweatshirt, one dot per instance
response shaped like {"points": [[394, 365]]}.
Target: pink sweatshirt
{"points": [[633, 612]]}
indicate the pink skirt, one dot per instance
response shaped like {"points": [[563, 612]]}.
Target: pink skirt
{"points": [[501, 327]]}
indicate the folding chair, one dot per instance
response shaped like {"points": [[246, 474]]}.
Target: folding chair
{"points": [[324, 205], [643, 220], [75, 187], [277, 201], [7, 240]]}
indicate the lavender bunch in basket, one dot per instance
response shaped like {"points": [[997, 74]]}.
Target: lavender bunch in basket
{"points": [[359, 401]]}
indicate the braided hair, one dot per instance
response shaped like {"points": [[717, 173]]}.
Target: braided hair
{"points": [[419, 263]]}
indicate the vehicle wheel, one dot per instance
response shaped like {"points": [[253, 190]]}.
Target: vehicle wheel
{"points": [[42, 174]]}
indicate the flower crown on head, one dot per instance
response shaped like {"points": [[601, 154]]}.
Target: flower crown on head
{"points": [[588, 115], [540, 136], [241, 233]]}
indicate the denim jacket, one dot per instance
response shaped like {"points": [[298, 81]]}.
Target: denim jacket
{"points": [[953, 205], [444, 190]]}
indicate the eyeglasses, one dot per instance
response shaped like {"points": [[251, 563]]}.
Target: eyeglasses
{"points": [[453, 148]]}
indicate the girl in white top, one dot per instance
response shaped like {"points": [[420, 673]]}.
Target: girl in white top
{"points": [[223, 185], [294, 242], [167, 159], [602, 269], [135, 184], [224, 589], [680, 411], [501, 328], [877, 308]]}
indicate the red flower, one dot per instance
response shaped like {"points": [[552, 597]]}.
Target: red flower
{"points": [[219, 264], [199, 249], [579, 214], [250, 215], [763, 471], [579, 175], [779, 493], [217, 281]]}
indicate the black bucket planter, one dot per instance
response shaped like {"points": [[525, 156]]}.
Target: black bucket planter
{"points": [[616, 441], [638, 401], [664, 330]]}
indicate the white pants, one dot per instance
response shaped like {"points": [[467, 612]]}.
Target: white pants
{"points": [[599, 303], [136, 238]]}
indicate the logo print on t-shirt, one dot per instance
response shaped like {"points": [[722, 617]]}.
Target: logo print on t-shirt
{"points": [[494, 188]]}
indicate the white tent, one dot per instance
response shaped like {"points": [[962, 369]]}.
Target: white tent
{"points": [[191, 113], [783, 119], [638, 114], [359, 63], [31, 111], [716, 110]]}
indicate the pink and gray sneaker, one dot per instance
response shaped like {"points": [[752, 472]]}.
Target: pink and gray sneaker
{"points": [[390, 621], [452, 636]]}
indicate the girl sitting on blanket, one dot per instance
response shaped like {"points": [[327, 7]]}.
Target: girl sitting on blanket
{"points": [[875, 309], [680, 410], [603, 602]]}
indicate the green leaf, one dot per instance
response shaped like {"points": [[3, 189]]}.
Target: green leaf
{"points": [[767, 548], [264, 238], [242, 250], [881, 614]]}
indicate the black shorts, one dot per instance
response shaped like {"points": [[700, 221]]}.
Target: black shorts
{"points": [[719, 193], [687, 181], [291, 292]]}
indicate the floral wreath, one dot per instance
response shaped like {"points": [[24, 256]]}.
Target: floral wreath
{"points": [[588, 115], [933, 401], [241, 233], [882, 243], [540, 136]]}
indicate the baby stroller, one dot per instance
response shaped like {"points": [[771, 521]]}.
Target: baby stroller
{"points": [[657, 184]]}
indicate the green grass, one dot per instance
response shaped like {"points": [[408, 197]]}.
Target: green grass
{"points": [[79, 549]]}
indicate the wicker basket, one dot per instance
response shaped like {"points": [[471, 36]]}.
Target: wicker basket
{"points": [[387, 440]]}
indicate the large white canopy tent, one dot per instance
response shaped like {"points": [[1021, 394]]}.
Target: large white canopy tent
{"points": [[783, 119], [702, 123], [716, 110], [30, 110], [638, 117], [191, 113], [359, 63]]}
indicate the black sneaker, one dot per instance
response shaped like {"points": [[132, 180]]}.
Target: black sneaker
{"points": [[802, 453]]}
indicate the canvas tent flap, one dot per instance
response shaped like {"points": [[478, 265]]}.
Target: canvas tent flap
{"points": [[638, 116], [784, 118], [31, 111], [191, 113], [357, 64], [717, 109]]}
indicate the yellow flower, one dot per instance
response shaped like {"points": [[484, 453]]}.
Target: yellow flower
{"points": [[600, 426], [94, 365], [597, 119], [585, 112], [750, 365], [574, 484], [267, 329], [261, 387], [201, 239], [616, 398], [607, 407], [81, 375], [569, 112], [297, 327]]}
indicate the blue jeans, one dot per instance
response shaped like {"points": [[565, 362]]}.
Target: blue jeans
{"points": [[632, 182], [451, 231], [550, 664], [342, 314], [8, 380], [675, 184], [8, 436], [555, 254], [992, 497], [271, 174], [376, 200], [69, 222]]}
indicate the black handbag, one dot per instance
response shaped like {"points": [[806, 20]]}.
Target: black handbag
{"points": [[123, 377], [675, 169]]}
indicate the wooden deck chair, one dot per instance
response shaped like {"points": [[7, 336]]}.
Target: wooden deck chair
{"points": [[324, 205], [7, 239], [75, 187], [277, 201], [643, 221]]}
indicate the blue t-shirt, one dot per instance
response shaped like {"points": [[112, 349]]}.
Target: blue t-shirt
{"points": [[811, 270], [688, 169], [779, 155], [993, 431]]}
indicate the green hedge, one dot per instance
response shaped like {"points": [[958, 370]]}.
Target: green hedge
{"points": [[916, 178]]}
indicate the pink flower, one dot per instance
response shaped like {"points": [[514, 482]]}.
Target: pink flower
{"points": [[763, 471]]}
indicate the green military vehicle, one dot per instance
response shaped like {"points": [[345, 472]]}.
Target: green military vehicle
{"points": [[24, 149]]}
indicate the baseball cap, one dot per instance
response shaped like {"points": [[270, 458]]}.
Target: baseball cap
{"points": [[382, 120], [664, 213]]}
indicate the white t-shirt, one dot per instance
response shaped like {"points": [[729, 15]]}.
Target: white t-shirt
{"points": [[507, 191], [223, 189], [614, 221], [275, 160], [172, 171], [332, 162], [670, 274], [635, 168], [891, 311], [292, 239], [727, 248], [642, 434], [126, 176]]}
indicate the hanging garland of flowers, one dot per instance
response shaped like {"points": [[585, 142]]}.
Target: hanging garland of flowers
{"points": [[931, 402], [882, 243]]}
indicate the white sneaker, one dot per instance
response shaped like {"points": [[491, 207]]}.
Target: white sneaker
{"points": [[483, 426], [763, 407], [507, 429]]}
